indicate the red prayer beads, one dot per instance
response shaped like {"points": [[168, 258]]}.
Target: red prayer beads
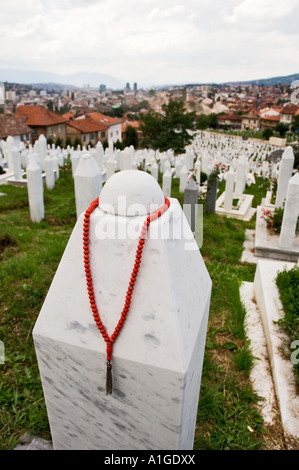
{"points": [[110, 339]]}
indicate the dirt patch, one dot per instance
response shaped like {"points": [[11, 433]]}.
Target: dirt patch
{"points": [[7, 241]]}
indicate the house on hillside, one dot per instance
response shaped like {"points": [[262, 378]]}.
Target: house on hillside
{"points": [[250, 121], [87, 130], [229, 121], [11, 125], [113, 124], [269, 122], [288, 113], [43, 121]]}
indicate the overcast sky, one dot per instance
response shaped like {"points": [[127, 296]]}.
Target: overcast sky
{"points": [[153, 41]]}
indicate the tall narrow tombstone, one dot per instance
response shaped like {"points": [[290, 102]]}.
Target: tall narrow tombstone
{"points": [[205, 161], [42, 150], [10, 144], [290, 214], [191, 202], [240, 175], [197, 167], [110, 166], [166, 183], [35, 189], [285, 173], [49, 169], [183, 179], [229, 190], [211, 196], [16, 163], [154, 170], [88, 182], [157, 357], [99, 154], [178, 166]]}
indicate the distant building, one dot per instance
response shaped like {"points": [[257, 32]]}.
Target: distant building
{"points": [[113, 124], [102, 88], [287, 113], [230, 121], [11, 125], [43, 121], [135, 89], [88, 130], [128, 88]]}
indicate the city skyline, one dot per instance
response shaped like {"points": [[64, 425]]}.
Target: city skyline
{"points": [[152, 43]]}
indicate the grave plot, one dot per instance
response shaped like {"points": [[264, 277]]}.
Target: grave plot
{"points": [[268, 340]]}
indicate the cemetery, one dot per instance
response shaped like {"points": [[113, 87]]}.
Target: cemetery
{"points": [[194, 360]]}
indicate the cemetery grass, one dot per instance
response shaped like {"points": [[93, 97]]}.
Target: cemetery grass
{"points": [[29, 256], [30, 253]]}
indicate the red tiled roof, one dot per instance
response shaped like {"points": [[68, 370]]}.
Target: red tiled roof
{"points": [[68, 115], [271, 118], [289, 108], [38, 116], [107, 120], [87, 125], [230, 117]]}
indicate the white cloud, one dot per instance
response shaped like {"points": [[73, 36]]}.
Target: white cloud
{"points": [[150, 40]]}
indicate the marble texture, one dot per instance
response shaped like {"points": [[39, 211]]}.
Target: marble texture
{"points": [[270, 307], [157, 358], [285, 173]]}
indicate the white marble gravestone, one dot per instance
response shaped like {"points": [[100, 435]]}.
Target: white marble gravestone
{"points": [[35, 190], [157, 358], [290, 214], [87, 181], [285, 173]]}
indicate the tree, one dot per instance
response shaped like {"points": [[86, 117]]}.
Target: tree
{"points": [[295, 124], [131, 137], [168, 130], [267, 133], [202, 122], [282, 129]]}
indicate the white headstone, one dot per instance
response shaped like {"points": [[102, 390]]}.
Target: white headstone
{"points": [[240, 175], [49, 169], [35, 189], [285, 173], [88, 182], [290, 214], [183, 179], [41, 144], [16, 164], [154, 170], [166, 182], [229, 190], [197, 167], [158, 355]]}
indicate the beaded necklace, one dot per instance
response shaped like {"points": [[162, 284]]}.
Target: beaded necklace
{"points": [[111, 339]]}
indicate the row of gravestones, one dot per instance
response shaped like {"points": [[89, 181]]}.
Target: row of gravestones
{"points": [[159, 354]]}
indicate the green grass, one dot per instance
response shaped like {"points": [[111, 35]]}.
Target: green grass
{"points": [[288, 285], [29, 255]]}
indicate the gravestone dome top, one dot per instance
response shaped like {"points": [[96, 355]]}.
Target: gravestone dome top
{"points": [[131, 193]]}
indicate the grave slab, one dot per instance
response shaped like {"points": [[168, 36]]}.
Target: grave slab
{"points": [[267, 298], [157, 358], [244, 211], [267, 244]]}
